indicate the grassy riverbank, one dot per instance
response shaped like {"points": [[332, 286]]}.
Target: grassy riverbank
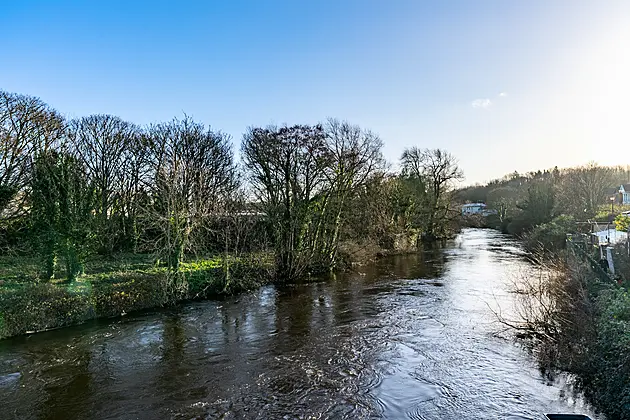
{"points": [[116, 286], [126, 283]]}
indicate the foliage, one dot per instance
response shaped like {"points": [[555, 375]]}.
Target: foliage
{"points": [[286, 169], [583, 192], [538, 205], [573, 322], [504, 200], [551, 236], [27, 127], [123, 286], [380, 210], [622, 222], [535, 208], [62, 201], [605, 366], [170, 199], [585, 188], [191, 177], [355, 157], [578, 325], [108, 149], [36, 307]]}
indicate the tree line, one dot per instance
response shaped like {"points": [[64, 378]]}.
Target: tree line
{"points": [[95, 186], [525, 200]]}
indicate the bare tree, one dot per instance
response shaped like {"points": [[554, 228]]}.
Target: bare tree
{"points": [[303, 178], [584, 189], [131, 194], [503, 199], [355, 157], [105, 145], [27, 127], [286, 168], [192, 177], [436, 171]]}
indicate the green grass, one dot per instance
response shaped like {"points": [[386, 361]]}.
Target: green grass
{"points": [[117, 285], [15, 269], [119, 262]]}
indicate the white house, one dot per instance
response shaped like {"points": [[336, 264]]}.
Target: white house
{"points": [[473, 208], [624, 191]]}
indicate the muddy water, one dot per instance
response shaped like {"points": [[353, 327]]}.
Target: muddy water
{"points": [[410, 337]]}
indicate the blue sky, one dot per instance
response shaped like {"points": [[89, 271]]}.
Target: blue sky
{"points": [[503, 85]]}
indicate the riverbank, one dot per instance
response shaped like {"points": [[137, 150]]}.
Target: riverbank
{"points": [[407, 336], [576, 319], [594, 344], [127, 283], [117, 286], [573, 315]]}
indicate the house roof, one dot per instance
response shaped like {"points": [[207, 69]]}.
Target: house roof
{"points": [[617, 190]]}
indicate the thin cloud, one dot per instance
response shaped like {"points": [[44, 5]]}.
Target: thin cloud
{"points": [[503, 94], [482, 103]]}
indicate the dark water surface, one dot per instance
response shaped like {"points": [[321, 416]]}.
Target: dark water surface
{"points": [[411, 337]]}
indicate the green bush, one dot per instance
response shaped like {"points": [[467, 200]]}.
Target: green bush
{"points": [[121, 293], [517, 226], [227, 275], [551, 236], [605, 378], [622, 222], [586, 334]]}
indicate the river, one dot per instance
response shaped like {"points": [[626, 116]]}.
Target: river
{"points": [[409, 337]]}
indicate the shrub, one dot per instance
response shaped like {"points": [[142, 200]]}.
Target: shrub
{"points": [[605, 379], [579, 325], [119, 293], [622, 222], [551, 236], [517, 226]]}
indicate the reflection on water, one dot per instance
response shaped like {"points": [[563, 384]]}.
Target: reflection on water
{"points": [[410, 337]]}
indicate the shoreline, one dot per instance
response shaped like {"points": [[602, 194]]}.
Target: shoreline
{"points": [[29, 308], [33, 307]]}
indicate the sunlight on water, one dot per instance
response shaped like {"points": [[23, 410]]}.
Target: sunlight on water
{"points": [[411, 337]]}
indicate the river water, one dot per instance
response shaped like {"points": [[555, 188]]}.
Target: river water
{"points": [[409, 337]]}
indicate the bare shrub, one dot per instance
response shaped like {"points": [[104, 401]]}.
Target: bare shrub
{"points": [[552, 309]]}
